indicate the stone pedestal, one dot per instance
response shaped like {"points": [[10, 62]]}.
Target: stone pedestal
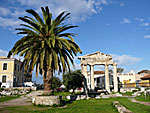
{"points": [[47, 100]]}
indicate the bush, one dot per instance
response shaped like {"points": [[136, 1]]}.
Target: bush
{"points": [[1, 89]]}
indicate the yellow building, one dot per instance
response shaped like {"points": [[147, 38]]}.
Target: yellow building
{"points": [[10, 72]]}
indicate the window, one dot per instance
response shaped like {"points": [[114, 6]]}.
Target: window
{"points": [[4, 79], [5, 66], [15, 67]]}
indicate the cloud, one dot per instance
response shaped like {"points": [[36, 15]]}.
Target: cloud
{"points": [[146, 24], [121, 4], [122, 60], [147, 36], [139, 19], [80, 9], [4, 11], [125, 21], [107, 24], [125, 59], [3, 52], [9, 23], [18, 13]]}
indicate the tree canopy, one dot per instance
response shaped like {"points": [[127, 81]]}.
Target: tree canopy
{"points": [[73, 80], [56, 82]]}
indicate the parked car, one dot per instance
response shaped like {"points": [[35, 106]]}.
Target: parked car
{"points": [[29, 84], [5, 85], [60, 89]]}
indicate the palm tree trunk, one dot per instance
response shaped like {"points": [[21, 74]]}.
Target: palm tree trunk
{"points": [[47, 79]]}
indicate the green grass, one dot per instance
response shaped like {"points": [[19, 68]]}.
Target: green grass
{"points": [[134, 107], [82, 106], [127, 93], [7, 98], [62, 93], [142, 98]]}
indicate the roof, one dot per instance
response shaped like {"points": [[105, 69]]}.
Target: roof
{"points": [[93, 54], [99, 72], [144, 71], [146, 77], [3, 58]]}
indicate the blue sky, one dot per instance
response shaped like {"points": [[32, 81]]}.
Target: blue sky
{"points": [[117, 27]]}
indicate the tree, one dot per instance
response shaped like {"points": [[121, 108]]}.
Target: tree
{"points": [[56, 82], [119, 70], [73, 80], [46, 45]]}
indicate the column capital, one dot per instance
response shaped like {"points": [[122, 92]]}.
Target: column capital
{"points": [[114, 64], [106, 64], [91, 64]]}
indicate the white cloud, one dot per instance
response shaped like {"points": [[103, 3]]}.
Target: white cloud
{"points": [[4, 11], [107, 24], [18, 13], [139, 19], [146, 24], [121, 4], [125, 21], [3, 52], [125, 59], [80, 9], [10, 23], [147, 36]]}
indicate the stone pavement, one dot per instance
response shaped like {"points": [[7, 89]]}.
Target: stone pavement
{"points": [[145, 103], [23, 100]]}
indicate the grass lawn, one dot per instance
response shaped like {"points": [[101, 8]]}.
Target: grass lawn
{"points": [[6, 98], [62, 93], [82, 106], [142, 98], [127, 93]]}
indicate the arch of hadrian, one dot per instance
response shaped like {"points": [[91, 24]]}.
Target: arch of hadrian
{"points": [[99, 59]]}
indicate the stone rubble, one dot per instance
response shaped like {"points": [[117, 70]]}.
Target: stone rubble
{"points": [[121, 108], [13, 92]]}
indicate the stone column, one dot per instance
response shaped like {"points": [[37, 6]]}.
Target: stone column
{"points": [[84, 70], [85, 81], [92, 77], [107, 78], [115, 77]]}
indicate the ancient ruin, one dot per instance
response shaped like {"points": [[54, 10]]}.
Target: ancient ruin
{"points": [[99, 59]]}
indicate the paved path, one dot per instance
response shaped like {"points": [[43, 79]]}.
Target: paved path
{"points": [[23, 100], [145, 103]]}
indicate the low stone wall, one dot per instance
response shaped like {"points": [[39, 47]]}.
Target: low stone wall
{"points": [[120, 108], [47, 100]]}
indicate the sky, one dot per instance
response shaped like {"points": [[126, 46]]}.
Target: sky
{"points": [[120, 28]]}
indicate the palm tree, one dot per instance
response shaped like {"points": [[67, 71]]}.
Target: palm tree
{"points": [[46, 45]]}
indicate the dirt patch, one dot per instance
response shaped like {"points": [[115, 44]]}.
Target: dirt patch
{"points": [[145, 103], [22, 101]]}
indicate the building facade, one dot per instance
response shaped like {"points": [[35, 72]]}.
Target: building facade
{"points": [[129, 77], [11, 73], [99, 80]]}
